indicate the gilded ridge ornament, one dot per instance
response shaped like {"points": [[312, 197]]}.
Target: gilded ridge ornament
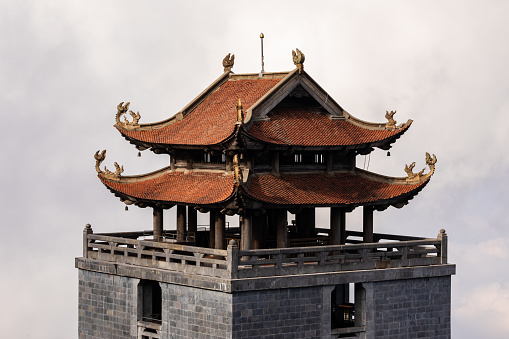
{"points": [[228, 62], [107, 174], [121, 110], [236, 168], [430, 161], [298, 59], [389, 116], [240, 114]]}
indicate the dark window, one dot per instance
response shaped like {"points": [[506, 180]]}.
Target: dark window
{"points": [[348, 305], [150, 301]]}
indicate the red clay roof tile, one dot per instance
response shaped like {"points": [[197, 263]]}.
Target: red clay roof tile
{"points": [[213, 120], [190, 188], [322, 189], [303, 127]]}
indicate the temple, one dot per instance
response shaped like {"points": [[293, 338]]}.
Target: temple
{"points": [[268, 148]]}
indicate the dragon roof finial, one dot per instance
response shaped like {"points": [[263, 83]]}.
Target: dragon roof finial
{"points": [[228, 62], [121, 110], [298, 59], [430, 161], [107, 174]]}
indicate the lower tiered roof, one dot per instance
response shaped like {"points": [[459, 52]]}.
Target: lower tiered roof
{"points": [[348, 189]]}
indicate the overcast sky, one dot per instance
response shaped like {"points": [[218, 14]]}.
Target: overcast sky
{"points": [[65, 65]]}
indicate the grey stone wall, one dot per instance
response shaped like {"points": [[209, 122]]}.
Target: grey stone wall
{"points": [[412, 308], [281, 313], [195, 313], [106, 306]]}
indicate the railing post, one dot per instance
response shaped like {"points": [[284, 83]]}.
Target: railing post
{"points": [[232, 259], [86, 231], [442, 236]]}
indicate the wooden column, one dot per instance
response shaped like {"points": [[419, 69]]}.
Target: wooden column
{"points": [[246, 232], [192, 221], [212, 228], [259, 225], [367, 224], [158, 222], [306, 222], [181, 223], [282, 228], [219, 235], [337, 226], [274, 161]]}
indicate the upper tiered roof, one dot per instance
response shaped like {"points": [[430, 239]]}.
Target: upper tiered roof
{"points": [[271, 117]]}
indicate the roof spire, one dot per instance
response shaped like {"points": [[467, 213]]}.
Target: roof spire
{"points": [[261, 39]]}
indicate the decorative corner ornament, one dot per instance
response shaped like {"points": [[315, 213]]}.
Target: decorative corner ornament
{"points": [[298, 59], [430, 161], [121, 110], [391, 124], [107, 174], [228, 62], [240, 114]]}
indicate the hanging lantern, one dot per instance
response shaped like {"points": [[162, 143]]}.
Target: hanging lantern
{"points": [[139, 154], [126, 208], [388, 153]]}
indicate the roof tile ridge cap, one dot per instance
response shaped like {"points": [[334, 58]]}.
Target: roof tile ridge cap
{"points": [[249, 111], [388, 179], [381, 126], [142, 177], [189, 107]]}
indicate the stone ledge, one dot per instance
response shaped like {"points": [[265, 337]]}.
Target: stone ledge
{"points": [[140, 272], [264, 283], [345, 277]]}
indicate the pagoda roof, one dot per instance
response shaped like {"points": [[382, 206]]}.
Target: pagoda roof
{"points": [[306, 127], [338, 189], [211, 118], [169, 188], [207, 188]]}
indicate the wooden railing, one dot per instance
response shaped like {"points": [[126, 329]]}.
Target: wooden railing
{"points": [[125, 248]]}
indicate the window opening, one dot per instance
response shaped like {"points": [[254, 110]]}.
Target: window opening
{"points": [[347, 305], [150, 301]]}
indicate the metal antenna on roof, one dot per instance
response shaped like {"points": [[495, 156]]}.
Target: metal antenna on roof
{"points": [[261, 39]]}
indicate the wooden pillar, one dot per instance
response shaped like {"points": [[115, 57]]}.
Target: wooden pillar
{"points": [[192, 222], [212, 228], [259, 225], [219, 234], [282, 228], [306, 222], [367, 224], [246, 232], [275, 162], [337, 226], [181, 223], [157, 222]]}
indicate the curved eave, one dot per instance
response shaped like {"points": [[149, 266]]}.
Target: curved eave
{"points": [[335, 137], [209, 120], [165, 188], [340, 189], [154, 146]]}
